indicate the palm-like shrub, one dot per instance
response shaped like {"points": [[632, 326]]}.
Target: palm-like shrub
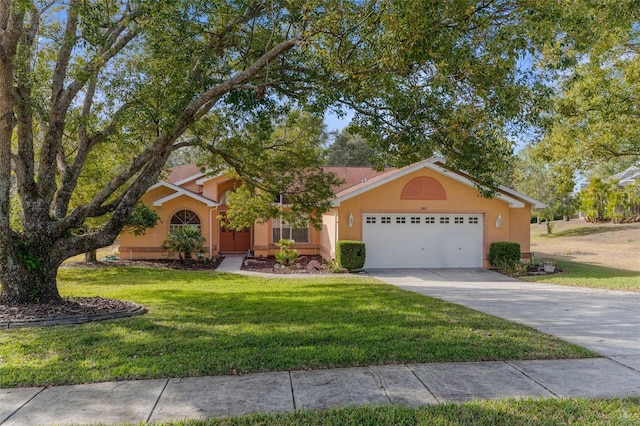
{"points": [[185, 241], [287, 255]]}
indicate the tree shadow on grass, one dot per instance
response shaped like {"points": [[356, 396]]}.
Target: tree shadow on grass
{"points": [[586, 230], [190, 333]]}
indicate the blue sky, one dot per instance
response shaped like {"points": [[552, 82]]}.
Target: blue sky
{"points": [[334, 122]]}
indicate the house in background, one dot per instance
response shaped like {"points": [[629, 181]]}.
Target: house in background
{"points": [[627, 177], [423, 215]]}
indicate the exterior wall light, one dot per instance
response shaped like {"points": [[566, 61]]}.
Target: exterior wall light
{"points": [[350, 220], [499, 221]]}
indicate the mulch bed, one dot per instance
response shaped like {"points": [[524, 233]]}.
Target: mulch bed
{"points": [[302, 265], [68, 310], [209, 264]]}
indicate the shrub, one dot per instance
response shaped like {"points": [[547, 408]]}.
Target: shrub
{"points": [[286, 256], [334, 267], [184, 240], [514, 270], [504, 253], [351, 254]]}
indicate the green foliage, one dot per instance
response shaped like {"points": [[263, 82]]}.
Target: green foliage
{"points": [[185, 240], [278, 157], [545, 182], [504, 253], [606, 200], [596, 117], [28, 256], [141, 218], [349, 150], [351, 254], [594, 199], [511, 269], [287, 255], [334, 267]]}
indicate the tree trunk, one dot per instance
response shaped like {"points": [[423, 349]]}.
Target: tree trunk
{"points": [[29, 275], [22, 286], [91, 256]]}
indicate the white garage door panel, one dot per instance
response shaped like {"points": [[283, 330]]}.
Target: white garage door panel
{"points": [[396, 240]]}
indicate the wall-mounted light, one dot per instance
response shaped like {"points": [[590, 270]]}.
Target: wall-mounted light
{"points": [[499, 221], [350, 220]]}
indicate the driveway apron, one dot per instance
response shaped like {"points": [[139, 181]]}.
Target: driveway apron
{"points": [[605, 321]]}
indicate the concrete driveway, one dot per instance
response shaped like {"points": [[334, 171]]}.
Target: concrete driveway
{"points": [[607, 322]]}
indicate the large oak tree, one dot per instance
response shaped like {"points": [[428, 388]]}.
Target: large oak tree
{"points": [[96, 94]]}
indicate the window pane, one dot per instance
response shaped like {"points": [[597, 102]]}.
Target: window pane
{"points": [[283, 231], [300, 235]]}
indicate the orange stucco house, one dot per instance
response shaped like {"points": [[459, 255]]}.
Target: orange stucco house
{"points": [[423, 215]]}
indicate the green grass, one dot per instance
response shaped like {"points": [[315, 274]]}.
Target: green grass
{"points": [[586, 275], [206, 323], [525, 412]]}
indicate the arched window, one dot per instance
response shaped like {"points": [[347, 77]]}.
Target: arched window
{"points": [[184, 218]]}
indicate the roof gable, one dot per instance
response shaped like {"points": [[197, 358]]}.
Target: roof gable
{"points": [[179, 192], [513, 198]]}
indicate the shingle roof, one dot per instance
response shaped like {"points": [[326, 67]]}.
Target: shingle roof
{"points": [[179, 173], [353, 175], [358, 179], [628, 176]]}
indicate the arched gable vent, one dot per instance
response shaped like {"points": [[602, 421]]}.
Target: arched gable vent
{"points": [[423, 188]]}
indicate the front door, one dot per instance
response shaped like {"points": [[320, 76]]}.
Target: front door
{"points": [[234, 241]]}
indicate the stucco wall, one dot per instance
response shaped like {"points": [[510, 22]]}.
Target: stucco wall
{"points": [[460, 198], [328, 234], [148, 246]]}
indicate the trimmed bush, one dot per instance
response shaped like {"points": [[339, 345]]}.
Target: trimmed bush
{"points": [[503, 253], [351, 254]]}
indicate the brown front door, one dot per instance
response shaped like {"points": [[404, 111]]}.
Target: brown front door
{"points": [[234, 241]]}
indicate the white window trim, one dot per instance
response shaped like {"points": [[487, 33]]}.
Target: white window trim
{"points": [[275, 224]]}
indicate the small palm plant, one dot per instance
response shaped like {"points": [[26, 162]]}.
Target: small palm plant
{"points": [[286, 256], [185, 241]]}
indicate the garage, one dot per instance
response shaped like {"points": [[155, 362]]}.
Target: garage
{"points": [[413, 240]]}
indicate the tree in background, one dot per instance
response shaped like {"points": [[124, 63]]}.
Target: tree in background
{"points": [[596, 120], [95, 95], [535, 177], [349, 149], [594, 199], [604, 200]]}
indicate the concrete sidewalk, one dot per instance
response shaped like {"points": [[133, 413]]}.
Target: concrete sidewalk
{"points": [[407, 384]]}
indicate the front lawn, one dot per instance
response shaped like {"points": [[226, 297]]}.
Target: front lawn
{"points": [[526, 412], [586, 275], [207, 323]]}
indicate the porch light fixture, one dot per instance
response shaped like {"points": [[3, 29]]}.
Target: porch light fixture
{"points": [[350, 220], [499, 221]]}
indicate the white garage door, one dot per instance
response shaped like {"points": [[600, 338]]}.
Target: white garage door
{"points": [[412, 240]]}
